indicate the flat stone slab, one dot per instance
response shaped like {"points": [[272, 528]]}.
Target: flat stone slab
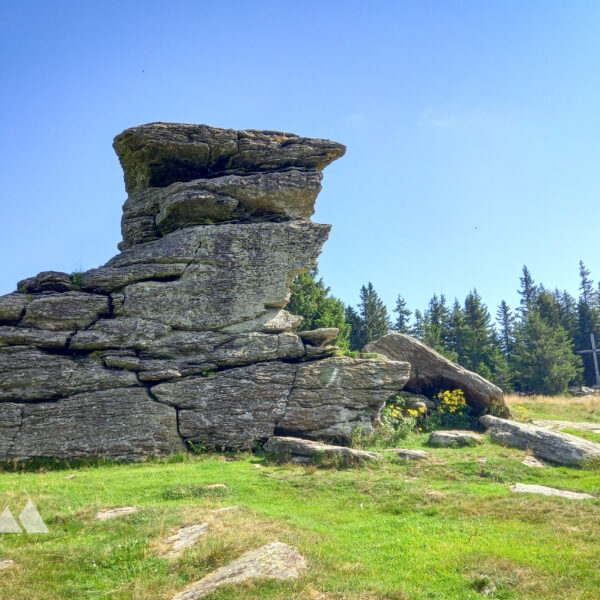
{"points": [[305, 450], [548, 424], [532, 461], [104, 515], [407, 454], [458, 437], [526, 488], [6, 564], [186, 537], [319, 337], [273, 561], [224, 509], [554, 446]]}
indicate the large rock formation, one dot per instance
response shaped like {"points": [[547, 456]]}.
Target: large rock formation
{"points": [[183, 336], [431, 373]]}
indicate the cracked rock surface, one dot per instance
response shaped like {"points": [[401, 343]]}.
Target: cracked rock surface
{"points": [[183, 336]]}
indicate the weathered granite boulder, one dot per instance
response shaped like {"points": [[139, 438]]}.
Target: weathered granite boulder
{"points": [[307, 451], [431, 372], [456, 437], [183, 336], [554, 446]]}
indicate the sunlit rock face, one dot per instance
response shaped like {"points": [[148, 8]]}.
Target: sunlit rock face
{"points": [[183, 336]]}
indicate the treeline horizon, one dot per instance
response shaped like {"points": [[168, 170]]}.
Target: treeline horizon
{"points": [[531, 348]]}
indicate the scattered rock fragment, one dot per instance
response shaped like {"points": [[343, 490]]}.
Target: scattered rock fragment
{"points": [[407, 454], [458, 437], [104, 515], [224, 509], [417, 402], [435, 494], [216, 486], [532, 461], [305, 451], [554, 446], [585, 426], [273, 561], [185, 537], [6, 564], [71, 476], [526, 488]]}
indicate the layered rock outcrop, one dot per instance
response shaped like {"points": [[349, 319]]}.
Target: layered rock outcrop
{"points": [[183, 336]]}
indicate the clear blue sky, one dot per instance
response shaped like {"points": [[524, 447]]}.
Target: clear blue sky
{"points": [[473, 128]]}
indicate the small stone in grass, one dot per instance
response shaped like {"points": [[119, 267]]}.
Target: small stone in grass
{"points": [[548, 491], [273, 561], [444, 439], [104, 515], [6, 564], [184, 538], [408, 454], [532, 461], [224, 509]]}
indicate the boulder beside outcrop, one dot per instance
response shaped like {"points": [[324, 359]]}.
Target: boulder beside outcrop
{"points": [[553, 446], [307, 451], [431, 373], [455, 437]]}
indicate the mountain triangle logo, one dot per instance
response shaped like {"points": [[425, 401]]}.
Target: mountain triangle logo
{"points": [[30, 519]]}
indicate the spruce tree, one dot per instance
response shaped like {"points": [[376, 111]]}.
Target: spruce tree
{"points": [[528, 290], [456, 330], [588, 321], [478, 335], [310, 298], [402, 324], [418, 327], [567, 310], [544, 359], [358, 331], [506, 323], [373, 313], [436, 327]]}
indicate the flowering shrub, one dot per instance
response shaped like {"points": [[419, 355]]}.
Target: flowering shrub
{"points": [[520, 413], [452, 412], [397, 421]]}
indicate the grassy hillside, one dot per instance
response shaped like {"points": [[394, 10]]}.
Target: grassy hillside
{"points": [[448, 528]]}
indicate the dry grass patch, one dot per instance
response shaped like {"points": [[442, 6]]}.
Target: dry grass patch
{"points": [[568, 408]]}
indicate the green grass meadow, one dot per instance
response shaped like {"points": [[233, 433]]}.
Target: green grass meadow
{"points": [[447, 528]]}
